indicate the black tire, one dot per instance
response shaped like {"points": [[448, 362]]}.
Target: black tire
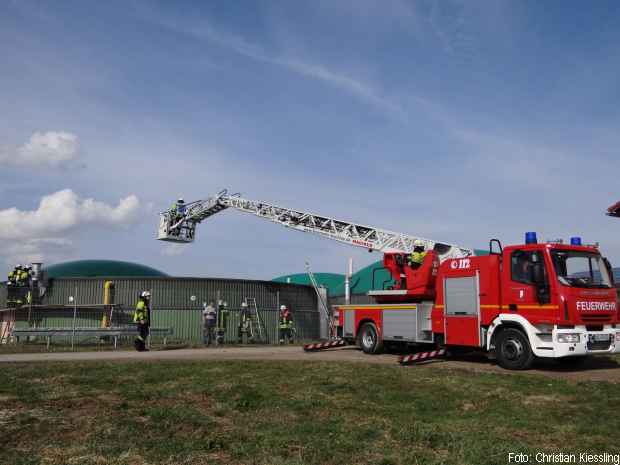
{"points": [[512, 350], [368, 339]]}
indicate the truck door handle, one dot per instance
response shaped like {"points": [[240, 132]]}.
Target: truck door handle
{"points": [[512, 307]]}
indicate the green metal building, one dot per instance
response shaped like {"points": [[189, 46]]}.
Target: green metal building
{"points": [[177, 303]]}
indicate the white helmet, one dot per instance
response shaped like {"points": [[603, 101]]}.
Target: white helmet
{"points": [[418, 243], [282, 307], [145, 294], [180, 200], [244, 304]]}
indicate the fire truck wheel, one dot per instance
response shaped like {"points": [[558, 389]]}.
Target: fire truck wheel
{"points": [[369, 339], [513, 350]]}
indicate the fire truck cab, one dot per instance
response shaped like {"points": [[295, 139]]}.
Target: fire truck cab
{"points": [[550, 300]]}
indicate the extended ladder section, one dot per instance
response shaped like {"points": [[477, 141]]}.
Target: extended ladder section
{"points": [[182, 228], [327, 316], [256, 324]]}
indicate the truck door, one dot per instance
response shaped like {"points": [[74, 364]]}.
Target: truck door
{"points": [[462, 310], [521, 294]]}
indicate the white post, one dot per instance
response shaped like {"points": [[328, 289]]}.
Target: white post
{"points": [[347, 282], [74, 297]]}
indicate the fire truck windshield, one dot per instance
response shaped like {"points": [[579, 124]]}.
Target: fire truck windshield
{"points": [[580, 269]]}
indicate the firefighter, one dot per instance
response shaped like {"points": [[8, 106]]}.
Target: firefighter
{"points": [[142, 318], [243, 334], [24, 276], [221, 321], [11, 291], [286, 325], [17, 275], [176, 213], [178, 209], [209, 319], [417, 256], [21, 282], [181, 207]]}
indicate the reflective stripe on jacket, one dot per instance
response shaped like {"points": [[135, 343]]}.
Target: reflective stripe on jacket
{"points": [[286, 323], [141, 312], [417, 257]]}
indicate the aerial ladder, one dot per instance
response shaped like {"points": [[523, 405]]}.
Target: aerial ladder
{"points": [[182, 228]]}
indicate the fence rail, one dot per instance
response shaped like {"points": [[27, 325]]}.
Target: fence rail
{"points": [[185, 323]]}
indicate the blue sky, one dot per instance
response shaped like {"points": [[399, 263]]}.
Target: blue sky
{"points": [[454, 120]]}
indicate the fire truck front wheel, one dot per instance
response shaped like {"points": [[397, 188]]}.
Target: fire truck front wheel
{"points": [[369, 340], [513, 350]]}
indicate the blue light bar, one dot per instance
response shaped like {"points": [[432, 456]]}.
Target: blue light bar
{"points": [[530, 238], [575, 241]]}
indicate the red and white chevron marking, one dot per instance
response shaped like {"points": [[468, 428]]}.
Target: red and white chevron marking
{"points": [[421, 357], [324, 345]]}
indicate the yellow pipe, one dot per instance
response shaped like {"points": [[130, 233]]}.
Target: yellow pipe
{"points": [[107, 300], [107, 294]]}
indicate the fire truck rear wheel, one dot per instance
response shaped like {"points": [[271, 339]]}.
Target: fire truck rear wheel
{"points": [[369, 339], [513, 350]]}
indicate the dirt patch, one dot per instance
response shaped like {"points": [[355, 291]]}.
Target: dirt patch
{"points": [[546, 400], [468, 406]]}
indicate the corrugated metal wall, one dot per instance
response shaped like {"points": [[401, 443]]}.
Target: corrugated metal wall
{"points": [[170, 293], [177, 304]]}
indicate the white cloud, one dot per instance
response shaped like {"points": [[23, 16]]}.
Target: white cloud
{"points": [[354, 86], [30, 234], [61, 211], [36, 250], [44, 149]]}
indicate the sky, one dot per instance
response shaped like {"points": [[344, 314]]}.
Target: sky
{"points": [[457, 121]]}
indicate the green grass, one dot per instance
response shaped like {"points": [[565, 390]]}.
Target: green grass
{"points": [[292, 413]]}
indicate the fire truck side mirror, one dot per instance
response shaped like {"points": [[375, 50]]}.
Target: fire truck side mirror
{"points": [[610, 271], [499, 246]]}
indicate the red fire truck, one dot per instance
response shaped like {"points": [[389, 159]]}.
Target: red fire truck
{"points": [[548, 300]]}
